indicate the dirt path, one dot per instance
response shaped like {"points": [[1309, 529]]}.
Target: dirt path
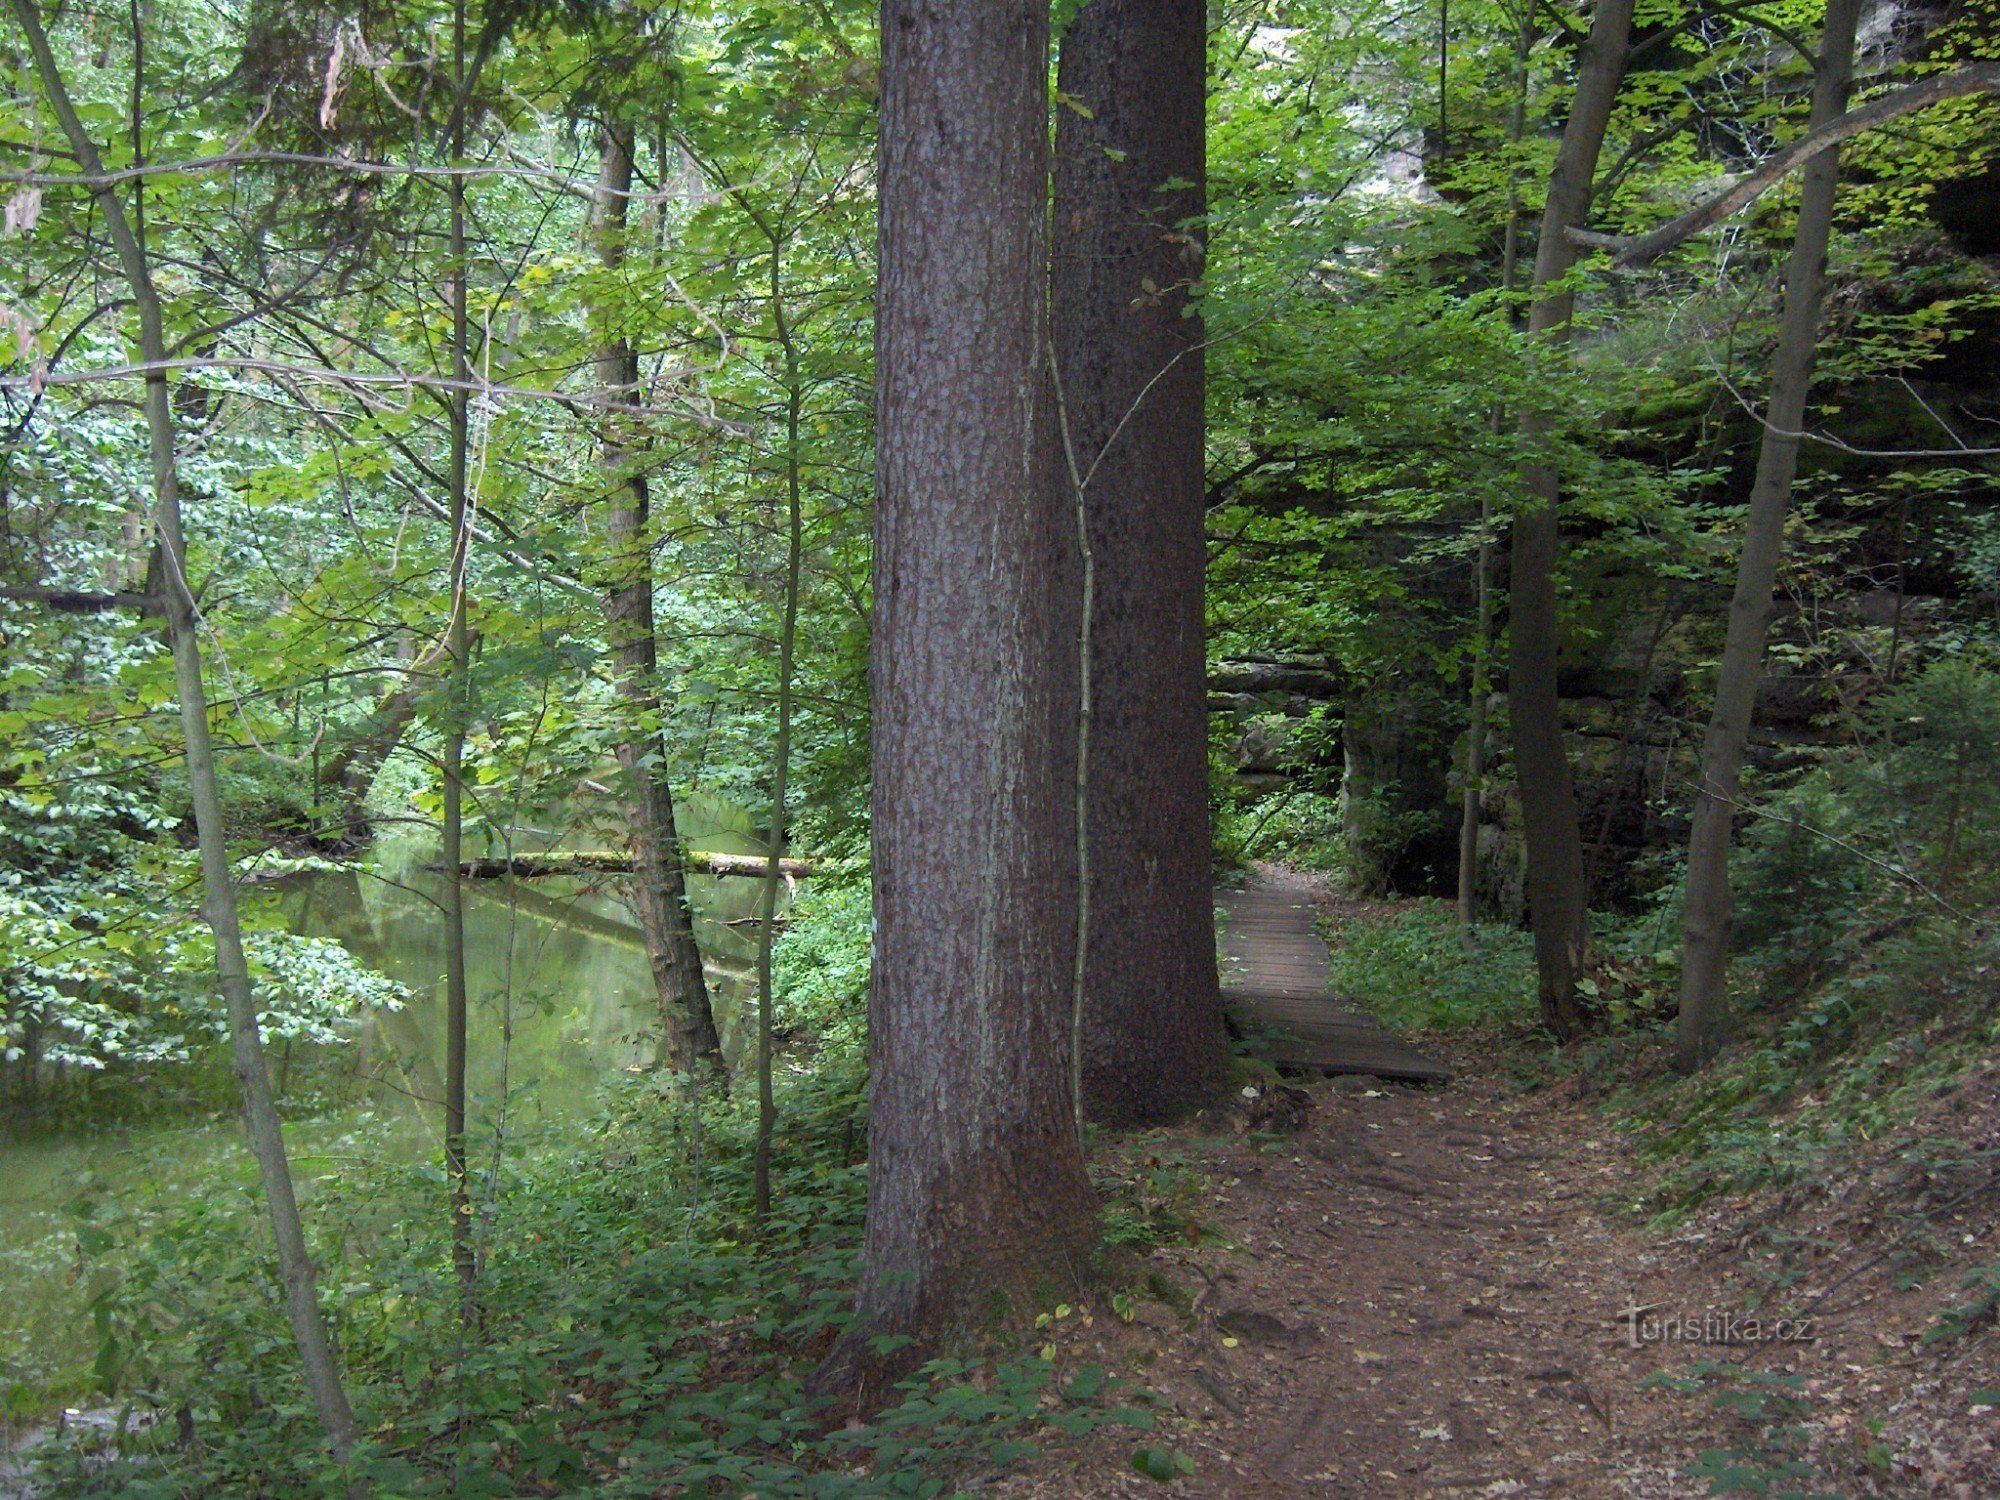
{"points": [[1422, 1293], [1421, 1299]]}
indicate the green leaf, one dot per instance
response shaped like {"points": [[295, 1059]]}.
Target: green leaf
{"points": [[1164, 1464], [1088, 1382], [91, 1240]]}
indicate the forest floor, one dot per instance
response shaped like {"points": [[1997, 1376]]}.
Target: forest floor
{"points": [[1425, 1290]]}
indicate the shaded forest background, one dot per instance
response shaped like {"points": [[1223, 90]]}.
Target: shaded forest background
{"points": [[523, 400]]}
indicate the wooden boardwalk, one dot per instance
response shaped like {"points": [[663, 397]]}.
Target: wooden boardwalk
{"points": [[1274, 976]]}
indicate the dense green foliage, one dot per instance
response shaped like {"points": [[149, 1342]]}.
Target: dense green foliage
{"points": [[641, 1331], [1362, 289]]}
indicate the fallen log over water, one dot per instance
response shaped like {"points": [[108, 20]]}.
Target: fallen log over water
{"points": [[618, 862]]}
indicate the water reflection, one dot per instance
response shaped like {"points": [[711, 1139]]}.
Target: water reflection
{"points": [[561, 995], [561, 1000]]}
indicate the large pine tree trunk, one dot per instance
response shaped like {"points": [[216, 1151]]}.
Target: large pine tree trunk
{"points": [[659, 889], [977, 1194], [1710, 905], [1130, 366], [1558, 895]]}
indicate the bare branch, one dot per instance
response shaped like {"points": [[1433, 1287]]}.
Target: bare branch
{"points": [[364, 380], [352, 166], [1826, 440], [82, 602], [1643, 249]]}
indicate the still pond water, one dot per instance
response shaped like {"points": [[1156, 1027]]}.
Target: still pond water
{"points": [[558, 963]]}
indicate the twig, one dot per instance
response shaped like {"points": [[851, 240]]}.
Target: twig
{"points": [[1884, 865], [1804, 436], [1630, 250]]}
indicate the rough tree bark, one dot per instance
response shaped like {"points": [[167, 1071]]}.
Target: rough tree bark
{"points": [[977, 1194], [659, 890], [1129, 361], [1710, 905], [260, 1111], [1558, 899]]}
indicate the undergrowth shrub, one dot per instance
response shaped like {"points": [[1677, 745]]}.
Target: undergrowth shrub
{"points": [[1298, 825], [1867, 977], [820, 967], [1412, 970], [1903, 827], [1864, 1050], [638, 1332]]}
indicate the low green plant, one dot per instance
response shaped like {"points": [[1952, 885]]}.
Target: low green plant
{"points": [[1413, 971], [1148, 1200], [1979, 1308], [1769, 1411], [639, 1331], [1161, 1463]]}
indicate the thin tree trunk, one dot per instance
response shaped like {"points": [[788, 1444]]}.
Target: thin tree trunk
{"points": [[1471, 812], [1086, 617], [1710, 905], [1129, 194], [977, 1195], [1558, 901], [457, 706], [666, 921], [624, 862], [767, 928], [1474, 804], [260, 1112]]}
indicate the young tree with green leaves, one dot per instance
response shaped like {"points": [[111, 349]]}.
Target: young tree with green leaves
{"points": [[184, 624], [1706, 923]]}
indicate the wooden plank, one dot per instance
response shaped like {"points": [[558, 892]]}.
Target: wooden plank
{"points": [[1275, 977]]}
